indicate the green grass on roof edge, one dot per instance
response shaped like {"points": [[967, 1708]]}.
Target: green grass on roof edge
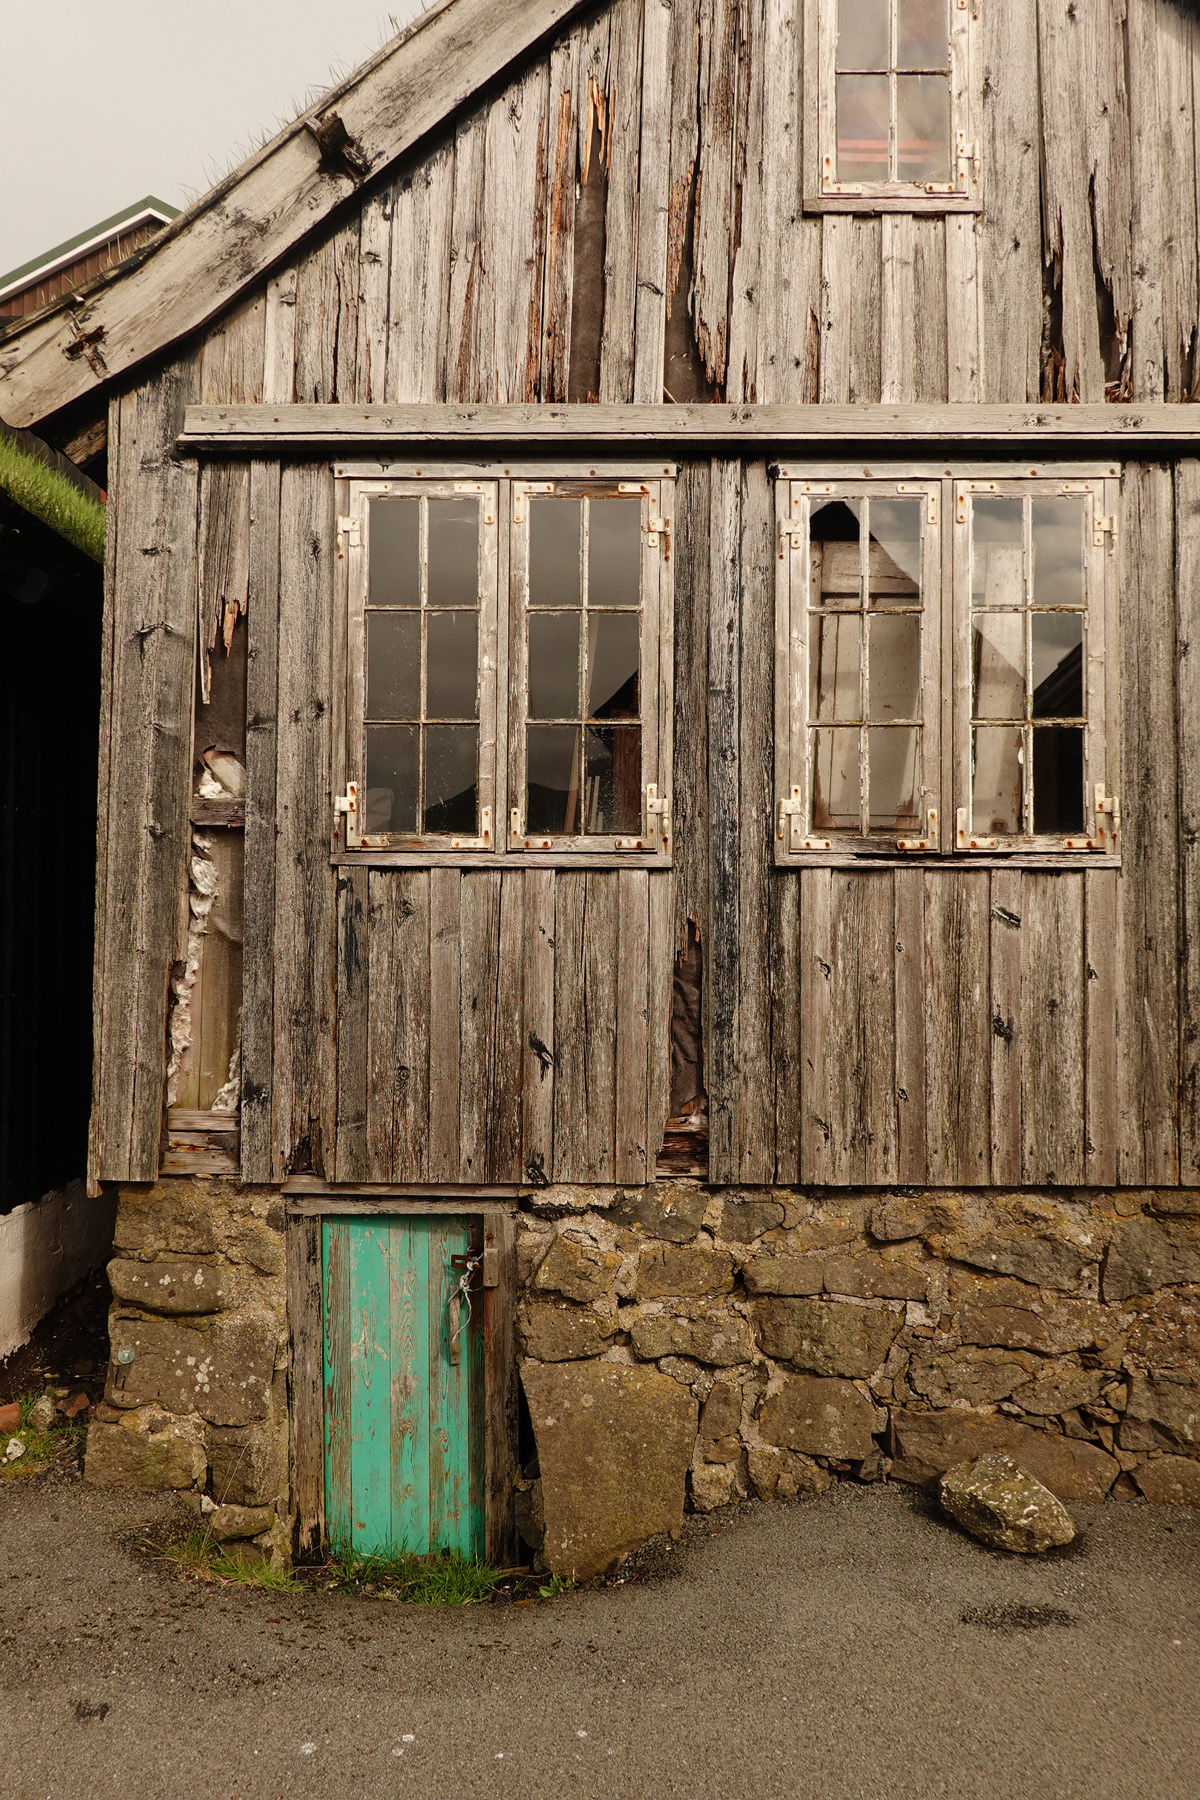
{"points": [[46, 495]]}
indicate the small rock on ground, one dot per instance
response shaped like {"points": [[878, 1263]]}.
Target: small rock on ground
{"points": [[1003, 1506]]}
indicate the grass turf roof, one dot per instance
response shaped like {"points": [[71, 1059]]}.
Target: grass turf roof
{"points": [[46, 495]]}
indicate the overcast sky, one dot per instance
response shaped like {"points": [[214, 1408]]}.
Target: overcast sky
{"points": [[103, 101]]}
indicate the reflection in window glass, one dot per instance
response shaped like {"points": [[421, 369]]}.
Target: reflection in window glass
{"points": [[997, 787], [584, 772], [922, 128], [922, 34], [864, 664], [893, 757], [394, 576], [862, 127], [864, 28], [1027, 665], [1057, 550], [422, 666], [554, 551]]}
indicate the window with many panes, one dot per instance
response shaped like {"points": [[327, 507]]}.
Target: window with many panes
{"points": [[890, 104], [508, 665], [941, 646]]}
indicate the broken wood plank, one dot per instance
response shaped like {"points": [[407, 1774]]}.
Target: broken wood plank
{"points": [[722, 1022], [623, 99], [631, 1157], [1187, 604], [420, 282], [816, 975], [505, 1115], [909, 989], [1101, 981], [650, 312], [1052, 1029], [356, 938], [755, 770], [570, 1027], [957, 1029], [1007, 1029], [445, 1013], [741, 381], [713, 256], [477, 1027], [508, 350], [562, 178], [595, 1122], [258, 915], [539, 1059]]}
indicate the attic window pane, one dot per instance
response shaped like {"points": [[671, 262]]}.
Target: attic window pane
{"points": [[451, 778], [863, 28], [922, 128], [554, 549], [454, 552], [836, 803], [862, 127], [1058, 779], [392, 779], [613, 656], [922, 34], [395, 545], [895, 553], [834, 672], [613, 795], [554, 665], [452, 666], [614, 552], [834, 555], [997, 552], [895, 668], [393, 665], [552, 780], [998, 665], [997, 808], [894, 759]]}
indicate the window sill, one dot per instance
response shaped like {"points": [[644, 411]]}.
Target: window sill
{"points": [[495, 859], [894, 203], [1044, 861]]}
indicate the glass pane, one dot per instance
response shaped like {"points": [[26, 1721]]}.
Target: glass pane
{"points": [[613, 793], [451, 778], [554, 538], [833, 553], [862, 127], [392, 753], [894, 770], [554, 665], [393, 665], [394, 534], [552, 779], [862, 34], [836, 805], [1058, 666], [833, 668], [613, 661], [922, 34], [1058, 778], [614, 552], [998, 665], [922, 128], [997, 570], [1058, 552], [452, 666], [997, 808], [894, 670], [894, 553], [453, 553]]}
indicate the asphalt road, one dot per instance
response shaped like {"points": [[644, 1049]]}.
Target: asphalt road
{"points": [[852, 1646]]}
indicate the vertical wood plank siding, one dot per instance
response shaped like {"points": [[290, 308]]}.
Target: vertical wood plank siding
{"points": [[950, 1026]]}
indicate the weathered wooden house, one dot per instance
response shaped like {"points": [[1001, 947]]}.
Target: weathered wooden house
{"points": [[650, 772]]}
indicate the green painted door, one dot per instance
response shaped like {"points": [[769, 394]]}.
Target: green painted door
{"points": [[404, 1440]]}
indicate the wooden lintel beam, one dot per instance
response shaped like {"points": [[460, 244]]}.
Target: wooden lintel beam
{"points": [[249, 222], [792, 429]]}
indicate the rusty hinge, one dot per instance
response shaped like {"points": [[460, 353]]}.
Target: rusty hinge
{"points": [[1107, 827], [349, 531], [656, 529], [928, 494], [347, 803], [484, 839], [657, 832], [789, 828], [929, 841], [1105, 527], [522, 491], [966, 840], [968, 159], [791, 535], [517, 838]]}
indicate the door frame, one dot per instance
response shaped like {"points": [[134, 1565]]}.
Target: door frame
{"points": [[306, 1373]]}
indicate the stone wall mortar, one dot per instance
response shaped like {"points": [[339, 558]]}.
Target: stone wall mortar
{"points": [[199, 1297], [863, 1334]]}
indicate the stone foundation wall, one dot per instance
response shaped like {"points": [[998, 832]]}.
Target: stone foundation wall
{"points": [[199, 1296], [866, 1335]]}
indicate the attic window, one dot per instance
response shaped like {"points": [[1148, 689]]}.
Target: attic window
{"points": [[891, 113]]}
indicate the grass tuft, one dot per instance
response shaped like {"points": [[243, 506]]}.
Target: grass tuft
{"points": [[445, 1578], [43, 1449], [197, 1558], [50, 497]]}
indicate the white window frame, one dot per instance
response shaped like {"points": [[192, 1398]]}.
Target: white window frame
{"points": [[946, 664], [503, 682], [823, 191]]}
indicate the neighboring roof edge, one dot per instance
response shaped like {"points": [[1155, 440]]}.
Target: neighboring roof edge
{"points": [[140, 213], [52, 490], [233, 235]]}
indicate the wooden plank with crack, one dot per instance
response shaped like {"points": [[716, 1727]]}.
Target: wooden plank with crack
{"points": [[650, 311], [513, 241], [957, 1028], [1010, 234], [595, 1122], [562, 175], [356, 942], [420, 282], [790, 311], [623, 99], [445, 1015], [477, 1024], [570, 1026], [909, 986], [252, 220], [1052, 1029], [714, 248], [741, 381], [258, 910], [722, 1023], [786, 427], [755, 769], [538, 1052], [1187, 602], [1007, 1025], [374, 282], [506, 1111], [631, 1160]]}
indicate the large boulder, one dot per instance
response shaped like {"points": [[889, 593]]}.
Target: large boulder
{"points": [[824, 1336], [563, 1333], [221, 1368], [687, 1270], [708, 1334], [169, 1287], [820, 1417], [581, 1271], [669, 1210], [926, 1444], [614, 1444], [1003, 1506]]}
